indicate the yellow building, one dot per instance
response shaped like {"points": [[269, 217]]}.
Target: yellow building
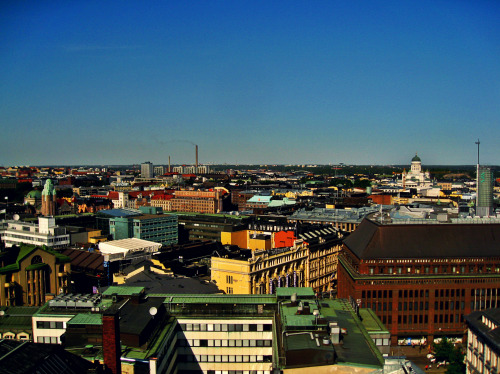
{"points": [[311, 263]]}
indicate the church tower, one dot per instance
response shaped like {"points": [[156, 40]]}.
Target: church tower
{"points": [[49, 199]]}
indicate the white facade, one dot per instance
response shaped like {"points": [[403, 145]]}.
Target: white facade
{"points": [[46, 232], [223, 345], [147, 170], [49, 328]]}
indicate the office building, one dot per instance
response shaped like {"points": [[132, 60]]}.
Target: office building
{"points": [[422, 279], [484, 205], [147, 170], [44, 233], [159, 228]]}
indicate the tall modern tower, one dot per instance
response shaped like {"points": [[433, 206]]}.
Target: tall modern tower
{"points": [[147, 170], [484, 189]]}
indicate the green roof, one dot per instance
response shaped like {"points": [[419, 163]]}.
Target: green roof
{"points": [[302, 292], [123, 290], [86, 319], [371, 322], [219, 299], [36, 266]]}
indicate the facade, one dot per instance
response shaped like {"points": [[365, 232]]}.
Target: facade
{"points": [[45, 233], [196, 226], [422, 279], [310, 262], [147, 170], [49, 203], [483, 343], [159, 228], [159, 170], [197, 201], [31, 275]]}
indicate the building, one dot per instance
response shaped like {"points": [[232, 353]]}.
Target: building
{"points": [[343, 219], [15, 322], [159, 228], [49, 204], [159, 170], [310, 262], [147, 170], [422, 279], [196, 226], [484, 205], [290, 331], [198, 201], [415, 178], [483, 342], [44, 233], [31, 275]]}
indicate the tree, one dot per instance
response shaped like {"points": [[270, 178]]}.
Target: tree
{"points": [[446, 351]]}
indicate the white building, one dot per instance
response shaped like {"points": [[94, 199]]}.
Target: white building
{"points": [[45, 232], [147, 170], [415, 178]]}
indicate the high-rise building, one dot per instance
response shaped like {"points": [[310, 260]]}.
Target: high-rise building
{"points": [[147, 170], [484, 192]]}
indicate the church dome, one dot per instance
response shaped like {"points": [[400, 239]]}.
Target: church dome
{"points": [[416, 158], [34, 194]]}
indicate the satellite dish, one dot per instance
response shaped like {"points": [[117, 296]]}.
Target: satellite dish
{"points": [[16, 217], [2, 313], [153, 311]]}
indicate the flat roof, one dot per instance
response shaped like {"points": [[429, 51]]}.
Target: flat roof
{"points": [[219, 299], [125, 245], [123, 290]]}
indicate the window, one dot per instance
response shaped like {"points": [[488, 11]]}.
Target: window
{"points": [[229, 279], [229, 290]]}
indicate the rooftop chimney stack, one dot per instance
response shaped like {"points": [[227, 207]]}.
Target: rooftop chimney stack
{"points": [[111, 340]]}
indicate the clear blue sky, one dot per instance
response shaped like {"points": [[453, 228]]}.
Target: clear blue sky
{"points": [[359, 82]]}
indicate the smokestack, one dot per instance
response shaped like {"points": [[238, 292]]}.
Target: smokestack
{"points": [[196, 159], [111, 340], [169, 164]]}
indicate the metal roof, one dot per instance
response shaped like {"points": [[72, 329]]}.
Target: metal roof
{"points": [[219, 299]]}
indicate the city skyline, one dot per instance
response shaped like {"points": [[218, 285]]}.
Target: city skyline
{"points": [[119, 83]]}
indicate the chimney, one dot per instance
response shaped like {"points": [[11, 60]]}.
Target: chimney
{"points": [[196, 159], [169, 170], [111, 340]]}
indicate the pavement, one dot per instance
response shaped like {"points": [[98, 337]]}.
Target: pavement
{"points": [[419, 357]]}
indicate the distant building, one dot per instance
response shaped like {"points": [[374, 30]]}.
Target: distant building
{"points": [[147, 170], [415, 177], [159, 170], [49, 203], [484, 206], [45, 233], [159, 228]]}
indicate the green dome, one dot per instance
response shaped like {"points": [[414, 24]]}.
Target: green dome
{"points": [[416, 158], [35, 194]]}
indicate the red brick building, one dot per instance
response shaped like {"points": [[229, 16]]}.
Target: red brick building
{"points": [[421, 279]]}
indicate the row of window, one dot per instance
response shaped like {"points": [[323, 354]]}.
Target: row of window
{"points": [[443, 269], [225, 327], [49, 325], [225, 358], [225, 343], [379, 294], [47, 339]]}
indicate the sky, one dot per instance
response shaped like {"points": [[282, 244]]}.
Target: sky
{"points": [[249, 82]]}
